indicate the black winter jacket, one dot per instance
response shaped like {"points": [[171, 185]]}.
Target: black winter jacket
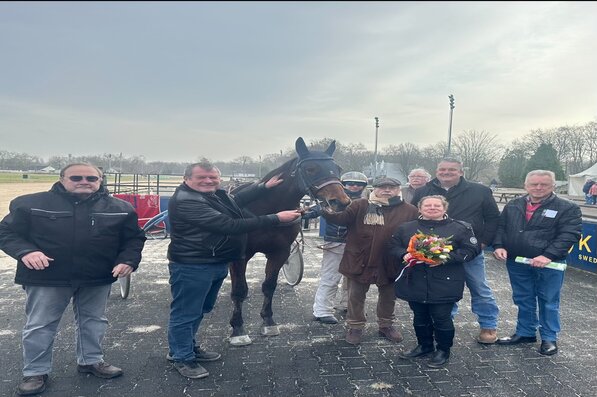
{"points": [[438, 284], [86, 238], [211, 228], [554, 227], [470, 202]]}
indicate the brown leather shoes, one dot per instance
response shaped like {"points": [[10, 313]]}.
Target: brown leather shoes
{"points": [[101, 370], [487, 336], [391, 334], [354, 336], [32, 385]]}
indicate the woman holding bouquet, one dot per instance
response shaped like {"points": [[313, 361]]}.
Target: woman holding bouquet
{"points": [[433, 249]]}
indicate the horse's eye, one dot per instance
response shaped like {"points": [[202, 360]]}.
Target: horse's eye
{"points": [[311, 169]]}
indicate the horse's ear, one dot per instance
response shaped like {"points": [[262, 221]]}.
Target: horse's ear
{"points": [[330, 150], [301, 148]]}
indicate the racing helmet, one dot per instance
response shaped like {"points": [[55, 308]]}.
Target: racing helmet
{"points": [[354, 176]]}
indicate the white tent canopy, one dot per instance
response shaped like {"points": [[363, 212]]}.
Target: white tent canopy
{"points": [[576, 181]]}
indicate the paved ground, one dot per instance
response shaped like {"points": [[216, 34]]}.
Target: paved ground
{"points": [[308, 358]]}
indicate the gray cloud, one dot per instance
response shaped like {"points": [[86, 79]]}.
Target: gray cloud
{"points": [[176, 81]]}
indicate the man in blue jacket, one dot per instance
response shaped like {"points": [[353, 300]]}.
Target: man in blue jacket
{"points": [[335, 241], [473, 203], [540, 227], [70, 243]]}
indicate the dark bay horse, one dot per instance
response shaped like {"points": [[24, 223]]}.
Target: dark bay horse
{"points": [[312, 172]]}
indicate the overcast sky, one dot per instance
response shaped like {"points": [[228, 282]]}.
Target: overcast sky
{"points": [[178, 81]]}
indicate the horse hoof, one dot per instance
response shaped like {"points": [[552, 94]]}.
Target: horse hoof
{"points": [[241, 340], [271, 330]]}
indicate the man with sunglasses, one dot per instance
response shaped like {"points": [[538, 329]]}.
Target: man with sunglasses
{"points": [[333, 248], [71, 242]]}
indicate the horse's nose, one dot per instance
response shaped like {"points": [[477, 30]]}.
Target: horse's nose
{"points": [[338, 205]]}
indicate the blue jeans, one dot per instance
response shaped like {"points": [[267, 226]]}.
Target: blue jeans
{"points": [[534, 287], [44, 309], [482, 300], [194, 289]]}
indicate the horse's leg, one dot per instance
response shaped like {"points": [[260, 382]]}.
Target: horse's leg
{"points": [[238, 294], [275, 261]]}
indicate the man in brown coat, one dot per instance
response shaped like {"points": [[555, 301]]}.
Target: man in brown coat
{"points": [[370, 223]]}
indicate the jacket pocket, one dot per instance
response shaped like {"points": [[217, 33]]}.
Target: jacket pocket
{"points": [[354, 261], [446, 285], [50, 223], [104, 223]]}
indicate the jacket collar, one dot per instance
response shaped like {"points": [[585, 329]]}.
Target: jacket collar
{"points": [[462, 184], [526, 199], [59, 189]]}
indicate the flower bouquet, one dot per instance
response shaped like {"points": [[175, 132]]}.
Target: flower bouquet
{"points": [[426, 248]]}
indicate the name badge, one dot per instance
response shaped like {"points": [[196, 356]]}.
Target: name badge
{"points": [[550, 213]]}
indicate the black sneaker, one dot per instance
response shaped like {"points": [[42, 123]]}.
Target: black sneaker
{"points": [[32, 385], [190, 369], [200, 355]]}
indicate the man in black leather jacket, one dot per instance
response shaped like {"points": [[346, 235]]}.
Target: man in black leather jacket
{"points": [[208, 231], [70, 243], [540, 227]]}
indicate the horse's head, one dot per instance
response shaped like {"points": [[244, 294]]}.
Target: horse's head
{"points": [[320, 175]]}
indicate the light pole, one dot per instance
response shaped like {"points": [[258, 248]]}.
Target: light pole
{"points": [[451, 97], [375, 152]]}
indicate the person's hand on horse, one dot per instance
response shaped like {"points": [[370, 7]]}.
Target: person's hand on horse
{"points": [[288, 216], [274, 181]]}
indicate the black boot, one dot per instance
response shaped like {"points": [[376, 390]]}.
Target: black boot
{"points": [[444, 339], [425, 342], [424, 334], [439, 358], [418, 351]]}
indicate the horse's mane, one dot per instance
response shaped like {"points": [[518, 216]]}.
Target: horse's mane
{"points": [[284, 169]]}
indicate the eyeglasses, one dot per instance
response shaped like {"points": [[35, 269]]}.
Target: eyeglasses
{"points": [[417, 176], [79, 178], [353, 184]]}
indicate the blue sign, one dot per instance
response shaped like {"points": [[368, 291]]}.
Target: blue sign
{"points": [[583, 254]]}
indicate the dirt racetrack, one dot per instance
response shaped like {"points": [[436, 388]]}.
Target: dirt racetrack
{"points": [[9, 191]]}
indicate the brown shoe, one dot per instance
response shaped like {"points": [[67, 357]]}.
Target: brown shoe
{"points": [[101, 370], [487, 336], [354, 336], [32, 385], [391, 334]]}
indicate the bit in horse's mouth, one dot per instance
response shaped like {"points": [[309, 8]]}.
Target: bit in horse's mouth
{"points": [[336, 205]]}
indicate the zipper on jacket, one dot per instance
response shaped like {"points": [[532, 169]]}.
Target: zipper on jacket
{"points": [[213, 251]]}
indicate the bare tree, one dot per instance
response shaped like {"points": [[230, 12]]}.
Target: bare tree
{"points": [[352, 157], [590, 139], [406, 155], [431, 155], [478, 150]]}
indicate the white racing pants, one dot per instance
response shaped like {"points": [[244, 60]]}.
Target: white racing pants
{"points": [[329, 278]]}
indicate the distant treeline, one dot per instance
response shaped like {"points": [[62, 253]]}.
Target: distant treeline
{"points": [[484, 155]]}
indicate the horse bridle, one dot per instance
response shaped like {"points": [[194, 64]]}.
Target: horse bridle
{"points": [[314, 184]]}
